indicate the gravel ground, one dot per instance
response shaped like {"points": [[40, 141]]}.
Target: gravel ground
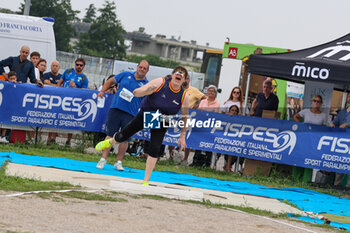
{"points": [[55, 213]]}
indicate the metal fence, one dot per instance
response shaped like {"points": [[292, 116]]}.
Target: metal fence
{"points": [[96, 68]]}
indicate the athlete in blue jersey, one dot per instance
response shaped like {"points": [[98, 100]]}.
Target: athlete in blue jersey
{"points": [[124, 107], [166, 97], [74, 78]]}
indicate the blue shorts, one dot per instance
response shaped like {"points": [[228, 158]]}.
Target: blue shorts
{"points": [[117, 120]]}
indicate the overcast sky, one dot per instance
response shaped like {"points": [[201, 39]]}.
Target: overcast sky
{"points": [[293, 24]]}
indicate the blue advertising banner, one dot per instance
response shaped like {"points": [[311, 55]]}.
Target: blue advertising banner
{"points": [[277, 141], [52, 107]]}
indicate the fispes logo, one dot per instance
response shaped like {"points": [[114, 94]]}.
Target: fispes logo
{"points": [[84, 109], [151, 120], [87, 108], [284, 140]]}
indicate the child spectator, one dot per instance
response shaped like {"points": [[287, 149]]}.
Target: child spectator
{"points": [[12, 77], [233, 110]]}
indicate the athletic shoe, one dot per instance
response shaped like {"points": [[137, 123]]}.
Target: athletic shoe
{"points": [[145, 183], [118, 166], [4, 140], [101, 164], [103, 145]]}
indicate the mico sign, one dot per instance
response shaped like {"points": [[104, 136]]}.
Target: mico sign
{"points": [[300, 70]]}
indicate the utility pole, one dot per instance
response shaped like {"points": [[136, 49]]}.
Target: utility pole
{"points": [[27, 7]]}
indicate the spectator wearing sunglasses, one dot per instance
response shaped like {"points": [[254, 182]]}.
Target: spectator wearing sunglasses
{"points": [[314, 115], [234, 99], [74, 77]]}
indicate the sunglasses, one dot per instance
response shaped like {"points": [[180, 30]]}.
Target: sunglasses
{"points": [[81, 65], [236, 92], [180, 73], [316, 101]]}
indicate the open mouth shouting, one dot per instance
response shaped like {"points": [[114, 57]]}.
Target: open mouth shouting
{"points": [[179, 75]]}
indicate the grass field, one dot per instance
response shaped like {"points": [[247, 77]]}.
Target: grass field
{"points": [[275, 179], [9, 183]]}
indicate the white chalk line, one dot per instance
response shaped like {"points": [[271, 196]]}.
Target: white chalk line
{"points": [[48, 191], [93, 191], [273, 220]]}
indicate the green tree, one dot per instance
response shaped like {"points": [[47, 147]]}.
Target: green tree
{"points": [[153, 60], [62, 12], [105, 36], [5, 10], [90, 14]]}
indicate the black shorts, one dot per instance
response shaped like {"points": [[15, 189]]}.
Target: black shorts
{"points": [[157, 135], [116, 121]]}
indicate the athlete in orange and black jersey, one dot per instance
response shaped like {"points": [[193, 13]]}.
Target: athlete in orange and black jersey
{"points": [[165, 95], [165, 99]]}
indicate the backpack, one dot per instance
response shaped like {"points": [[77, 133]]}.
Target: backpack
{"points": [[70, 70]]}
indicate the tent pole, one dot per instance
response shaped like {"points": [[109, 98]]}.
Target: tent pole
{"points": [[246, 95], [244, 113], [346, 88]]}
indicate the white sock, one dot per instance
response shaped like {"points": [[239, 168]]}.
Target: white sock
{"points": [[102, 159], [119, 161]]}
